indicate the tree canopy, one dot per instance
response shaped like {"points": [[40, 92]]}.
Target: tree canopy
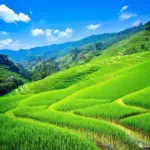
{"points": [[147, 25]]}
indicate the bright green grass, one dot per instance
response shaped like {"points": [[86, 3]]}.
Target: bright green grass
{"points": [[74, 122], [79, 77], [46, 98], [10, 102], [112, 111], [140, 123], [120, 86], [57, 81], [101, 81], [140, 98], [126, 83], [82, 103], [24, 134]]}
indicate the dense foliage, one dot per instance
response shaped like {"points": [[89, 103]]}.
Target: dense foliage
{"points": [[10, 77], [5, 61], [44, 69], [147, 25]]}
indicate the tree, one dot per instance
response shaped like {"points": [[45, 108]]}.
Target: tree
{"points": [[46, 68], [23, 72], [147, 25], [130, 51], [75, 53]]}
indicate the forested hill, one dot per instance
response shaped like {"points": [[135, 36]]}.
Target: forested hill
{"points": [[10, 75]]}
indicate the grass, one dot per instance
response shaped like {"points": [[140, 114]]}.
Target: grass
{"points": [[83, 76], [121, 85], [57, 81], [27, 134], [140, 123], [74, 122], [10, 102], [140, 98], [126, 83], [107, 88], [114, 111]]}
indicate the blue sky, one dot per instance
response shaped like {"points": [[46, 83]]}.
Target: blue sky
{"points": [[29, 23]]}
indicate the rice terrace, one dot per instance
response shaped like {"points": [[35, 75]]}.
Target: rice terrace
{"points": [[97, 98]]}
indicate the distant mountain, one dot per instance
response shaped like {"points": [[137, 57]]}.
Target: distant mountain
{"points": [[60, 50], [87, 52], [55, 49]]}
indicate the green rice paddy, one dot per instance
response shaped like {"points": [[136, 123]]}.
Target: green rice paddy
{"points": [[103, 104]]}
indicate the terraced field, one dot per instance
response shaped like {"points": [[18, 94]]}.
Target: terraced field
{"points": [[104, 104]]}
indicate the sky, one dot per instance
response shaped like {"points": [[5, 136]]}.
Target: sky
{"points": [[31, 23]]}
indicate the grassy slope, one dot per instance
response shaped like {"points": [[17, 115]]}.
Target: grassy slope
{"points": [[104, 83], [135, 41], [140, 98]]}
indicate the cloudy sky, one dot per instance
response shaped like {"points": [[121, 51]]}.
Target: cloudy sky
{"points": [[30, 23]]}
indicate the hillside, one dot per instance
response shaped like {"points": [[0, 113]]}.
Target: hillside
{"points": [[53, 50], [74, 75], [102, 104], [136, 43], [72, 106], [10, 78], [110, 47], [59, 50]]}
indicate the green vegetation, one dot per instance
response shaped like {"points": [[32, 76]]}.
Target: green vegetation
{"points": [[10, 78], [22, 134], [73, 121], [139, 122], [134, 44], [44, 69], [140, 98], [102, 104], [7, 103], [114, 111], [147, 26]]}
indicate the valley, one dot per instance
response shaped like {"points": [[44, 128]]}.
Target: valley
{"points": [[102, 104]]}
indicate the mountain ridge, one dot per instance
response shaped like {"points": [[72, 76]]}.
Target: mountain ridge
{"points": [[64, 48]]}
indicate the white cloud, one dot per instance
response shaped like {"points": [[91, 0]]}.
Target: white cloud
{"points": [[124, 8], [3, 32], [53, 35], [67, 33], [56, 31], [93, 26], [125, 16], [9, 16], [49, 35], [6, 42], [136, 23], [14, 45], [37, 32]]}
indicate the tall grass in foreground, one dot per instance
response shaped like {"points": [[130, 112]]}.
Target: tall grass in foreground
{"points": [[10, 102], [27, 135], [140, 123], [76, 122]]}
